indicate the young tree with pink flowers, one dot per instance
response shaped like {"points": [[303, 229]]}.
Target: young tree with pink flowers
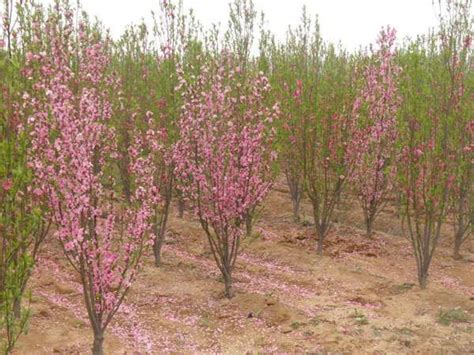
{"points": [[224, 155], [290, 144], [373, 142], [73, 153], [294, 78], [326, 132], [425, 162], [24, 218], [146, 63], [456, 36], [431, 168], [140, 109]]}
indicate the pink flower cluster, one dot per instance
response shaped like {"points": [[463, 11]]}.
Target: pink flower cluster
{"points": [[224, 155]]}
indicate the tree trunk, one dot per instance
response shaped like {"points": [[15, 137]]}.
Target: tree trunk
{"points": [[369, 229], [229, 290], [160, 229], [321, 230], [459, 227], [460, 224], [181, 206], [127, 191], [124, 160], [249, 223], [369, 220], [17, 307], [423, 276], [458, 237], [2, 282], [320, 245], [295, 194], [296, 209], [98, 347], [123, 165], [157, 244]]}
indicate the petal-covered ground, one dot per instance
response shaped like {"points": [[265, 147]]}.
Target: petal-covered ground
{"points": [[361, 297]]}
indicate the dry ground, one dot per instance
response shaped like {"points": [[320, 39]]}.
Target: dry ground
{"points": [[361, 297]]}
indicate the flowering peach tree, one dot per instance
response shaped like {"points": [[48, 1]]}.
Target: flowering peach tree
{"points": [[456, 36], [224, 154], [425, 163], [24, 218], [326, 131], [294, 79], [373, 143], [73, 153], [434, 129]]}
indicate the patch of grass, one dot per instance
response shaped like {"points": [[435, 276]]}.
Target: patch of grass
{"points": [[404, 331], [256, 235], [248, 240], [295, 325], [455, 315], [359, 317], [404, 287], [377, 331], [315, 321], [205, 322]]}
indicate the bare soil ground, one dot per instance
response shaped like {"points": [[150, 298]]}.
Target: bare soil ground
{"points": [[361, 297]]}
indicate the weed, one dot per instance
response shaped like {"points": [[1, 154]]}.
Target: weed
{"points": [[455, 315], [360, 317]]}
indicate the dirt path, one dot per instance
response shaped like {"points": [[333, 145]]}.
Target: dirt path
{"points": [[360, 297]]}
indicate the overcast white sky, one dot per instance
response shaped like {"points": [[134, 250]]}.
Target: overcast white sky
{"points": [[353, 22]]}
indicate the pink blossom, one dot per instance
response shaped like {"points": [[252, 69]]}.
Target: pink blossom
{"points": [[7, 184], [29, 56]]}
